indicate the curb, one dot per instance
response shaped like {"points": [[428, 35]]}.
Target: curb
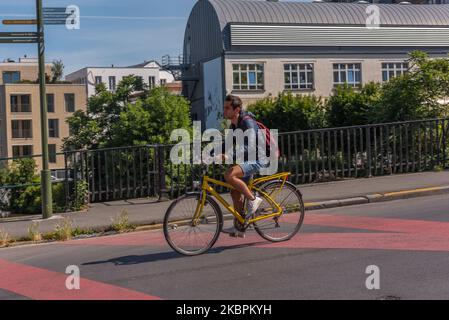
{"points": [[377, 197], [311, 206]]}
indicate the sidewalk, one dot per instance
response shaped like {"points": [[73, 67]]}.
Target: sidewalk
{"points": [[143, 212]]}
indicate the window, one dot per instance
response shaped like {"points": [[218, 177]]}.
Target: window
{"points": [[69, 99], [21, 129], [22, 151], [98, 80], [349, 73], [53, 128], [50, 102], [112, 83], [298, 76], [163, 82], [20, 103], [11, 77], [248, 76], [393, 69], [152, 82], [52, 153]]}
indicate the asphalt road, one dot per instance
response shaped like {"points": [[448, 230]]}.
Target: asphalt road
{"points": [[408, 240]]}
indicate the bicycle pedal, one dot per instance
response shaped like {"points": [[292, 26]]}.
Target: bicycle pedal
{"points": [[240, 235]]}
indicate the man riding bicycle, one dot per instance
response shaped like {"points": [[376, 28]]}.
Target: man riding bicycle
{"points": [[239, 175]]}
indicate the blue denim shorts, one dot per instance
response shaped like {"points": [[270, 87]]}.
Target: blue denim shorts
{"points": [[250, 168]]}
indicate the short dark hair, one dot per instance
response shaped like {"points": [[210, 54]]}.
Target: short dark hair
{"points": [[235, 101]]}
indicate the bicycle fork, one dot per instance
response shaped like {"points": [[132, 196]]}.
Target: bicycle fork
{"points": [[199, 208]]}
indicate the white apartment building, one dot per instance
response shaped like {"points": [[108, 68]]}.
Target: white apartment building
{"points": [[150, 71]]}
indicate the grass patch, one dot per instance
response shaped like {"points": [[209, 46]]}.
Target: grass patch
{"points": [[63, 231], [5, 239], [33, 232], [121, 223]]}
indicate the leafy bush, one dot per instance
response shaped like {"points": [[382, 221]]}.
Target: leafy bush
{"points": [[25, 199], [349, 107], [289, 112], [24, 195], [82, 193]]}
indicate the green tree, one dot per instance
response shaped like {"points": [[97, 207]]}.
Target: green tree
{"points": [[132, 115], [151, 120], [421, 93], [57, 70]]}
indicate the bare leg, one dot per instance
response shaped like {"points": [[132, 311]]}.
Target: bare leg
{"points": [[238, 201], [234, 177]]}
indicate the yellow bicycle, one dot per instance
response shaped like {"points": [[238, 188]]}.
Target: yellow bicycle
{"points": [[193, 222]]}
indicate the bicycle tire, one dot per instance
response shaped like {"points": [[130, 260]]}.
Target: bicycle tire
{"points": [[262, 226], [170, 222]]}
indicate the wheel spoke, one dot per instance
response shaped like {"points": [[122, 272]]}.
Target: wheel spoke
{"points": [[188, 238], [289, 222]]}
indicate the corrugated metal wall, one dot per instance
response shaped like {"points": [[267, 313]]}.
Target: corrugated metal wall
{"points": [[253, 35]]}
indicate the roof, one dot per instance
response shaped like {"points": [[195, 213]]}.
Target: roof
{"points": [[300, 13], [145, 64]]}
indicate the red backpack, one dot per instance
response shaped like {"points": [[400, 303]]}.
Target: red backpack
{"points": [[268, 137]]}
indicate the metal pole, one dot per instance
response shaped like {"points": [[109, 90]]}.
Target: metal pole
{"points": [[47, 203]]}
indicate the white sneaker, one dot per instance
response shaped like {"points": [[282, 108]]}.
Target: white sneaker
{"points": [[252, 207]]}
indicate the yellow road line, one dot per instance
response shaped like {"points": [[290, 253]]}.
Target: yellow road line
{"points": [[413, 191]]}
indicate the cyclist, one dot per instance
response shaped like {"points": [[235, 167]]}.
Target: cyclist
{"points": [[239, 175]]}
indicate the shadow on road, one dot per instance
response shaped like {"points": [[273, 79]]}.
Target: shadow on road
{"points": [[165, 256]]}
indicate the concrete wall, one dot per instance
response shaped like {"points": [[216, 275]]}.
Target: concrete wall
{"points": [[323, 73]]}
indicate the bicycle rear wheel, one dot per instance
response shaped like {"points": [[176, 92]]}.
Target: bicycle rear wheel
{"points": [[287, 225], [183, 235]]}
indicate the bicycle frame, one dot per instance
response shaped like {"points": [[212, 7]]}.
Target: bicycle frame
{"points": [[206, 188]]}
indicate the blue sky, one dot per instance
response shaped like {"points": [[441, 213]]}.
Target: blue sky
{"points": [[115, 32]]}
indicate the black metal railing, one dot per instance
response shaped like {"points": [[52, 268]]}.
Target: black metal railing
{"points": [[311, 156], [364, 151]]}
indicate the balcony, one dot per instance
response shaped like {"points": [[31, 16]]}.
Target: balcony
{"points": [[177, 65]]}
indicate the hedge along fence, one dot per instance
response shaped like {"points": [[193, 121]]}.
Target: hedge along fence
{"points": [[365, 151], [337, 153], [20, 188], [311, 156]]}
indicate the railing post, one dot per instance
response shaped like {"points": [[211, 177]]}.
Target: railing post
{"points": [[66, 182], [162, 190], [368, 152]]}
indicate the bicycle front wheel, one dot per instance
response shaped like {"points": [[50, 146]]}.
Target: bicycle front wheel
{"points": [[189, 237], [288, 224]]}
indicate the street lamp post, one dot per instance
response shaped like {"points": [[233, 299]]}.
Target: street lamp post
{"points": [[47, 199]]}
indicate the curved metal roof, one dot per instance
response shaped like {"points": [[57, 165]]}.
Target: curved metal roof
{"points": [[267, 12]]}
